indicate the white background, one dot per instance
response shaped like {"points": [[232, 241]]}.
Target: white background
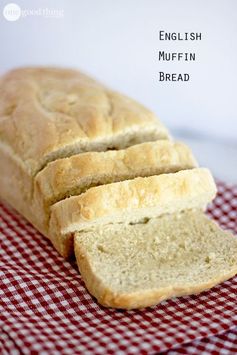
{"points": [[117, 42]]}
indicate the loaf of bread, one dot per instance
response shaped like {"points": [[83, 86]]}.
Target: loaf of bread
{"points": [[98, 174], [49, 113]]}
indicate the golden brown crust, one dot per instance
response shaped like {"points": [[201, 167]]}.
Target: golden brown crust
{"points": [[48, 113], [129, 201]]}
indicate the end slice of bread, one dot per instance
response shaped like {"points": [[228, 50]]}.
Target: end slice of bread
{"points": [[140, 265]]}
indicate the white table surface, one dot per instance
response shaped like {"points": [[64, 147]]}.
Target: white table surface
{"points": [[218, 155]]}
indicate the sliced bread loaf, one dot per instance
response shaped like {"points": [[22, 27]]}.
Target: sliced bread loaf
{"points": [[73, 176], [50, 113], [135, 266]]}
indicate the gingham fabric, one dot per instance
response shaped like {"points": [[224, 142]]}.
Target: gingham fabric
{"points": [[225, 344], [45, 309]]}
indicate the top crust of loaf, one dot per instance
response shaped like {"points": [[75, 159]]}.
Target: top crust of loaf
{"points": [[49, 113]]}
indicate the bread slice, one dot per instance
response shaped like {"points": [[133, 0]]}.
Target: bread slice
{"points": [[73, 176], [135, 266], [129, 201]]}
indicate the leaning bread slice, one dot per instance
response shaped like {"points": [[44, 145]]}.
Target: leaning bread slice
{"points": [[129, 201], [73, 176], [135, 266]]}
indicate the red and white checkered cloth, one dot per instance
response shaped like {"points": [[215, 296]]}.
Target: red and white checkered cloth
{"points": [[45, 309]]}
